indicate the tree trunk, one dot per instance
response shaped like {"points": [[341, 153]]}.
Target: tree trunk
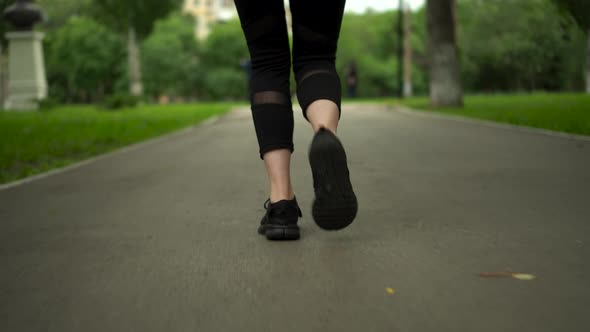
{"points": [[135, 85], [408, 91], [445, 73], [588, 64], [3, 78]]}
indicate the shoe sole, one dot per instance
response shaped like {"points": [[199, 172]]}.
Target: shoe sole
{"points": [[279, 232], [335, 205]]}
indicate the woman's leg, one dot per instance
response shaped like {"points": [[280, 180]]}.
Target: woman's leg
{"points": [[277, 164], [316, 29], [323, 113], [265, 29]]}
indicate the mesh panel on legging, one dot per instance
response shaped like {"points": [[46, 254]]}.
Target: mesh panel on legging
{"points": [[265, 29], [316, 28]]}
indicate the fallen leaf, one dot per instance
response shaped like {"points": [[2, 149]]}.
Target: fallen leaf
{"points": [[519, 276], [523, 276]]}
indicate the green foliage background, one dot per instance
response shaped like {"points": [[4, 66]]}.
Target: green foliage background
{"points": [[506, 45], [510, 45]]}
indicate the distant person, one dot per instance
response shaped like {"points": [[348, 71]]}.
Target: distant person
{"points": [[316, 28], [351, 80]]}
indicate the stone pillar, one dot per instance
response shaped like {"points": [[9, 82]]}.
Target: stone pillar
{"points": [[27, 82]]}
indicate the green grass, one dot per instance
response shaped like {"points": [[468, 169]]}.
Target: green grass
{"points": [[560, 112], [34, 142]]}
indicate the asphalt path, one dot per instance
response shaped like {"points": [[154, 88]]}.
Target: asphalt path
{"points": [[162, 237]]}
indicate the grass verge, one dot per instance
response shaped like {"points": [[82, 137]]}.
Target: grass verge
{"points": [[560, 112], [35, 142]]}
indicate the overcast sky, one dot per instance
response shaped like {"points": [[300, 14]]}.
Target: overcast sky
{"points": [[359, 6]]}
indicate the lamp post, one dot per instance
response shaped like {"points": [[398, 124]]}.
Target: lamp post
{"points": [[407, 52], [400, 50], [27, 83]]}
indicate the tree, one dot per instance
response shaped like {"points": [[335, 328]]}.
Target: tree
{"points": [[221, 76], [533, 48], [580, 11], [59, 12], [373, 48], [445, 76], [170, 57], [82, 60], [136, 19]]}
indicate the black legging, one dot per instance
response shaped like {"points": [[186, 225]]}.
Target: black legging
{"points": [[316, 28]]}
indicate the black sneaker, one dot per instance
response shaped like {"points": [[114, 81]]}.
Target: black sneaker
{"points": [[335, 205], [280, 220]]}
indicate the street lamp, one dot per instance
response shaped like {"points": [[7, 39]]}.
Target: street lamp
{"points": [[400, 50], [23, 15]]}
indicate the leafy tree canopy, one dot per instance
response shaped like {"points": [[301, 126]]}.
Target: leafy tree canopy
{"points": [[169, 55], [139, 14], [83, 59], [59, 12], [578, 9]]}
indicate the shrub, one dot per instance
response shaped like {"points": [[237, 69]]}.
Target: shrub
{"points": [[47, 104], [120, 100]]}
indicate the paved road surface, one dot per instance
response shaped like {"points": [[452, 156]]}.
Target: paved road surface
{"points": [[163, 237]]}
